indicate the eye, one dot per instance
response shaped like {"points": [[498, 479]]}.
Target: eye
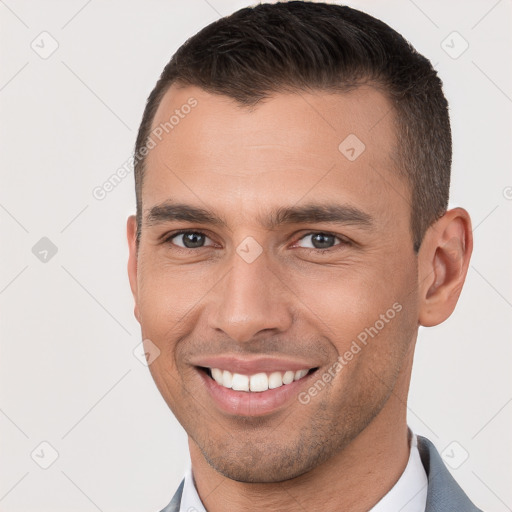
{"points": [[320, 241], [188, 239]]}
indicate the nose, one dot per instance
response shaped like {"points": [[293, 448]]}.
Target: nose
{"points": [[250, 299]]}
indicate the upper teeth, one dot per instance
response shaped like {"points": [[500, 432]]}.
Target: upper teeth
{"points": [[256, 382]]}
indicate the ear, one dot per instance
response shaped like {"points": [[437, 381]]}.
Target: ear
{"points": [[131, 233], [443, 262]]}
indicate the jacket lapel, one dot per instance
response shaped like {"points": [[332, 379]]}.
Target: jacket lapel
{"points": [[174, 505], [443, 491]]}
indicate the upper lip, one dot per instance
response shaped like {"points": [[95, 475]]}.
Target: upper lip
{"points": [[250, 366]]}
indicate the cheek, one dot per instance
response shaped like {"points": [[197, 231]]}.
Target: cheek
{"points": [[346, 299], [366, 312], [169, 301], [168, 295]]}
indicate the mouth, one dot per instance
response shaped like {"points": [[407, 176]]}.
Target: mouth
{"points": [[257, 393], [257, 382]]}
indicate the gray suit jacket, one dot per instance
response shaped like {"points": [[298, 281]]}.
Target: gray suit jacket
{"points": [[443, 494]]}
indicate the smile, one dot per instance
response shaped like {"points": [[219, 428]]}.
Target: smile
{"points": [[258, 382], [253, 387]]}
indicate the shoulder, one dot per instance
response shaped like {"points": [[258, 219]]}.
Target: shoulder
{"points": [[443, 493]]}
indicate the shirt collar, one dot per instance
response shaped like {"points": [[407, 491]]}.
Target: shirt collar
{"points": [[409, 494]]}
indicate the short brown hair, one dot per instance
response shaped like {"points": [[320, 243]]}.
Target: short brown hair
{"points": [[301, 46]]}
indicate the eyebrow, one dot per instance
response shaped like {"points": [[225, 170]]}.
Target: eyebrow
{"points": [[309, 213], [313, 213]]}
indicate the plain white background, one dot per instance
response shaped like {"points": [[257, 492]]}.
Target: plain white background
{"points": [[68, 375]]}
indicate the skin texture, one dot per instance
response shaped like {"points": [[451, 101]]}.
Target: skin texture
{"points": [[349, 444]]}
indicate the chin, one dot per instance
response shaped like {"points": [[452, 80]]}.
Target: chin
{"points": [[267, 465], [261, 474]]}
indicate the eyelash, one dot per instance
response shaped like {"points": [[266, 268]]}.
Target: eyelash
{"points": [[343, 240]]}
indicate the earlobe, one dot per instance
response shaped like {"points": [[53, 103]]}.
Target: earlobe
{"points": [[443, 263], [131, 233]]}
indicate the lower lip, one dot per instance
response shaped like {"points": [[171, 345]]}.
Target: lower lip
{"points": [[246, 403]]}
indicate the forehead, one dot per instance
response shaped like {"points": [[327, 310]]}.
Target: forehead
{"points": [[291, 119], [289, 146]]}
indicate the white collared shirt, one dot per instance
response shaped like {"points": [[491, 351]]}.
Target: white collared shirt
{"points": [[409, 494]]}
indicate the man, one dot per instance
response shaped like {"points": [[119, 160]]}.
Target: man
{"points": [[292, 233]]}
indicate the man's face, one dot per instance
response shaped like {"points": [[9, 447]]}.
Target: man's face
{"points": [[264, 291]]}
